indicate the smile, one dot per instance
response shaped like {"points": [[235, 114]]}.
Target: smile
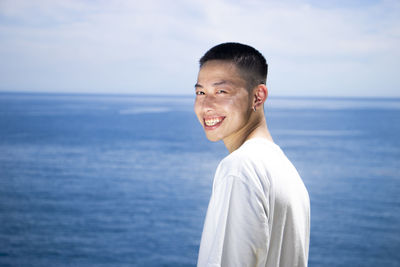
{"points": [[213, 122]]}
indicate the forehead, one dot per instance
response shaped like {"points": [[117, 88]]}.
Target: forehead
{"points": [[215, 71]]}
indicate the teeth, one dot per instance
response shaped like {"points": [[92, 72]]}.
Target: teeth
{"points": [[212, 122]]}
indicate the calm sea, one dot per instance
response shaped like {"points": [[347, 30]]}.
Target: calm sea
{"points": [[102, 180]]}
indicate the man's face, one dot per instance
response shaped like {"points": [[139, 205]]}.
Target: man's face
{"points": [[222, 104]]}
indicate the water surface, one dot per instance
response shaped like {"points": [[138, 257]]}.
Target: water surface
{"points": [[106, 180]]}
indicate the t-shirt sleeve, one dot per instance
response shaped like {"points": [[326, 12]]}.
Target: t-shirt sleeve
{"points": [[236, 227]]}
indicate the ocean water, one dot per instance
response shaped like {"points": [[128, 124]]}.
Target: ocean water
{"points": [[106, 180]]}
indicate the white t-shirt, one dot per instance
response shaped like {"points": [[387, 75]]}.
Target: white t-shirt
{"points": [[259, 211]]}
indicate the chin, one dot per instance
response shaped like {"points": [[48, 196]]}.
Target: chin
{"points": [[213, 138]]}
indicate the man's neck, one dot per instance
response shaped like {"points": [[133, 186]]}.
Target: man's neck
{"points": [[256, 129]]}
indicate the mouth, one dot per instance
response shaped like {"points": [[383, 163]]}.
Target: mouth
{"points": [[212, 123]]}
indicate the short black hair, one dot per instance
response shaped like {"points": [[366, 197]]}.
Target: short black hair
{"points": [[250, 62]]}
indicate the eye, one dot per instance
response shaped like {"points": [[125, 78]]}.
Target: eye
{"points": [[221, 92], [199, 93]]}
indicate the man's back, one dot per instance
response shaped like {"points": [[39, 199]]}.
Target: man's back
{"points": [[259, 211]]}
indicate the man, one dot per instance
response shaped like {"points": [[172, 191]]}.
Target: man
{"points": [[259, 211]]}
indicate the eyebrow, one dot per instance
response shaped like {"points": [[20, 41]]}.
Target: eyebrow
{"points": [[214, 84], [222, 82]]}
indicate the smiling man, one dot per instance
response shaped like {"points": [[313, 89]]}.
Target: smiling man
{"points": [[259, 211]]}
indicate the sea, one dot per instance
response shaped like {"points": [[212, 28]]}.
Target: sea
{"points": [[125, 180]]}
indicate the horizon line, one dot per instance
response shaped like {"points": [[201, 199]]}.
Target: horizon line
{"points": [[192, 95]]}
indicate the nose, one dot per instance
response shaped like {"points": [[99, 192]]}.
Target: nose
{"points": [[208, 102]]}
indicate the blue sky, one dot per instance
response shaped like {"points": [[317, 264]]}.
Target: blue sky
{"points": [[314, 48]]}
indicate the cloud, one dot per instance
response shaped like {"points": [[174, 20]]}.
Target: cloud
{"points": [[153, 46]]}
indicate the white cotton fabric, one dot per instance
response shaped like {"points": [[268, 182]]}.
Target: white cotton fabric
{"points": [[259, 211]]}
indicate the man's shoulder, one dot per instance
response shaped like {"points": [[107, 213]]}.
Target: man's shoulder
{"points": [[252, 151], [251, 159]]}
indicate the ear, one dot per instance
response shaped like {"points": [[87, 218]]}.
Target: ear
{"points": [[260, 94]]}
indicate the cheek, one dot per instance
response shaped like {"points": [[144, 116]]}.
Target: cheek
{"points": [[197, 109], [196, 105], [240, 106]]}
